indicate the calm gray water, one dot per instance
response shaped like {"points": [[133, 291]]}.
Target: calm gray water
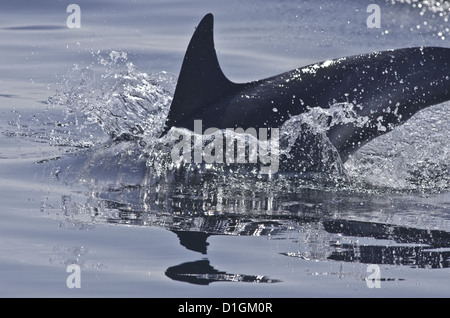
{"points": [[72, 196]]}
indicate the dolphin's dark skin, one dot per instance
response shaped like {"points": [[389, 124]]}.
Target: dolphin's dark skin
{"points": [[389, 87]]}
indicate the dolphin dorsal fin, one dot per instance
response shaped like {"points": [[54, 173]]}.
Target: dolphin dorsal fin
{"points": [[201, 81]]}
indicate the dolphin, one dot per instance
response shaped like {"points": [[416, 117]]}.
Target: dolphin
{"points": [[386, 88]]}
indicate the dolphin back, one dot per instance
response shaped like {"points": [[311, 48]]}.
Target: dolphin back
{"points": [[386, 88]]}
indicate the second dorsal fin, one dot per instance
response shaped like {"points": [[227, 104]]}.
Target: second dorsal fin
{"points": [[201, 80]]}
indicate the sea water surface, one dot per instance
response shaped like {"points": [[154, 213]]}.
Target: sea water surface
{"points": [[85, 181]]}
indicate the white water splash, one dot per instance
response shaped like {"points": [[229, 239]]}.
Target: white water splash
{"points": [[117, 96], [413, 156], [129, 104]]}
